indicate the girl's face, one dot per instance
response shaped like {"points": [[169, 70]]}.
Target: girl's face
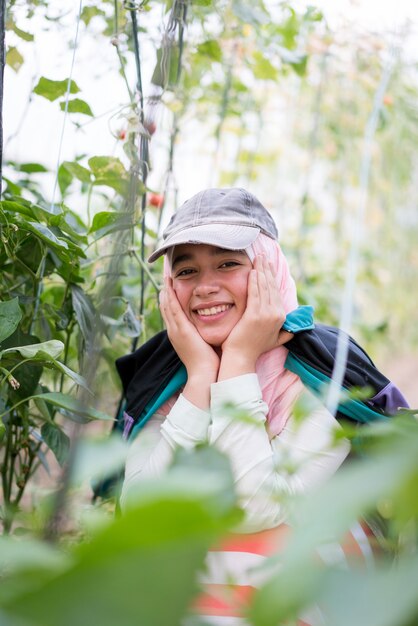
{"points": [[211, 286]]}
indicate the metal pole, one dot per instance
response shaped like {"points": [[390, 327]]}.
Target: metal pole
{"points": [[2, 61]]}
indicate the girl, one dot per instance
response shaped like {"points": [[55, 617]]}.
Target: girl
{"points": [[229, 304]]}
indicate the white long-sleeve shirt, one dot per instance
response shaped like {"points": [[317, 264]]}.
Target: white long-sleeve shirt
{"points": [[306, 449]]}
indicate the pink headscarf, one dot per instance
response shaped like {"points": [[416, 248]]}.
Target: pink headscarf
{"points": [[279, 386]]}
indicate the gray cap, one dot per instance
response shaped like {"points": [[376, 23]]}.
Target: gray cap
{"points": [[227, 218]]}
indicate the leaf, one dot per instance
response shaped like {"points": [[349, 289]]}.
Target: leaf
{"points": [[77, 106], [46, 353], [53, 89], [262, 67], [31, 168], [64, 179], [51, 348], [353, 492], [78, 171], [22, 33], [84, 311], [14, 59], [88, 13], [19, 555], [132, 323], [77, 378], [12, 188], [109, 171], [154, 550], [99, 459], [10, 316], [62, 222], [28, 374], [17, 207], [107, 222], [383, 597], [44, 233], [57, 441], [297, 60], [72, 405], [212, 49], [251, 13]]}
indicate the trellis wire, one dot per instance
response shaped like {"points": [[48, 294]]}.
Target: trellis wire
{"points": [[333, 392], [67, 98]]}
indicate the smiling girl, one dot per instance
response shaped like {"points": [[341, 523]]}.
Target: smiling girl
{"points": [[227, 300]]}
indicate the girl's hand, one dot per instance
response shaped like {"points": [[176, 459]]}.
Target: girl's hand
{"points": [[258, 330], [199, 358]]}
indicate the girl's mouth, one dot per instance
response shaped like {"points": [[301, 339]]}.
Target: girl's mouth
{"points": [[213, 310]]}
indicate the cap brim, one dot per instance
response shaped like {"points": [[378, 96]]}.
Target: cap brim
{"points": [[228, 236]]}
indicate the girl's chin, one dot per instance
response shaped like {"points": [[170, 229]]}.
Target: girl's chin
{"points": [[213, 340]]}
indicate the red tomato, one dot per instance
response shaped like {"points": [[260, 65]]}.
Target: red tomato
{"points": [[156, 199]]}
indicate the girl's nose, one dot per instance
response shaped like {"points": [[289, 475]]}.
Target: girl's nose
{"points": [[205, 287]]}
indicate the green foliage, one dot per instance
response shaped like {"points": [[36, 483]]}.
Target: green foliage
{"points": [[155, 549], [38, 324], [77, 106], [53, 89], [353, 493]]}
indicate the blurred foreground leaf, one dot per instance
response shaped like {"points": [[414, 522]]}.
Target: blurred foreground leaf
{"points": [[390, 473], [140, 569]]}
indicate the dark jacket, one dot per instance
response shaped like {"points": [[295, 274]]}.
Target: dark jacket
{"points": [[154, 372]]}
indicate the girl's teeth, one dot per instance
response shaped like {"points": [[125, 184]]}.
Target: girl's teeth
{"points": [[214, 309]]}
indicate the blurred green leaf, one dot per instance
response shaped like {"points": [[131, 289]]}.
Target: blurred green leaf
{"points": [[99, 459], [77, 106], [65, 178], [132, 324], [109, 171], [72, 405], [10, 316], [32, 168], [12, 188], [20, 33], [28, 374], [18, 207], [353, 492], [53, 89], [85, 312], [78, 171], [297, 60], [211, 48], [14, 59], [18, 554], [263, 68], [44, 233], [107, 222], [250, 12], [387, 596], [154, 550], [56, 440], [51, 348], [89, 12]]}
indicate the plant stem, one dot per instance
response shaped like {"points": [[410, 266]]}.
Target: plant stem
{"points": [[66, 350]]}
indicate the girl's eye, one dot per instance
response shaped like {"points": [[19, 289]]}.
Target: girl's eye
{"points": [[230, 264], [185, 272]]}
